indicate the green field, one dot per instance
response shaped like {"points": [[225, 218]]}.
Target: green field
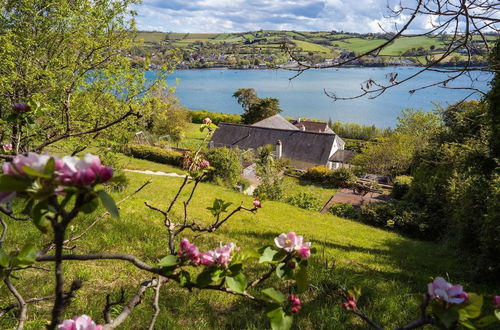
{"points": [[389, 268]]}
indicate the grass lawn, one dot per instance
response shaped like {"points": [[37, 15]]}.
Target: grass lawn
{"points": [[390, 268], [294, 185]]}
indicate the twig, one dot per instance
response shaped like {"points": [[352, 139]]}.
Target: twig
{"points": [[109, 303], [20, 300], [156, 304], [8, 308]]}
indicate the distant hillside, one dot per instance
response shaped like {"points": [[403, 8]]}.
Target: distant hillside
{"points": [[263, 49]]}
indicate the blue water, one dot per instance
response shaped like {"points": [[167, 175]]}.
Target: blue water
{"points": [[304, 96]]}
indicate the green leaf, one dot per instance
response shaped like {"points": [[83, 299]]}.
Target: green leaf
{"points": [[4, 259], [216, 275], [235, 268], [473, 307], [50, 167], [284, 272], [279, 320], [13, 183], [272, 255], [90, 206], [274, 295], [168, 261], [25, 257], [245, 255], [446, 316], [184, 278], [35, 173], [301, 279], [38, 215], [204, 278], [486, 321], [497, 313], [237, 283], [467, 323], [109, 203]]}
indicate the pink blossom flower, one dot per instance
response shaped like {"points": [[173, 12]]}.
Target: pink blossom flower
{"points": [[33, 160], [204, 163], [6, 197], [21, 107], [496, 301], [83, 322], [189, 251], [304, 251], [349, 304], [83, 172], [206, 259], [440, 289], [257, 203], [207, 121], [295, 303], [7, 147]]}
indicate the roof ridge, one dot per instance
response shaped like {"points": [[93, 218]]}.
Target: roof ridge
{"points": [[278, 129]]}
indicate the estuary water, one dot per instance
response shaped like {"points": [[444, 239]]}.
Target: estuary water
{"points": [[304, 96]]}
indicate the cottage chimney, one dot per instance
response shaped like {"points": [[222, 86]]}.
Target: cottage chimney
{"points": [[279, 149], [298, 120]]}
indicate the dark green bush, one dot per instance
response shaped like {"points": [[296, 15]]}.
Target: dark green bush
{"points": [[344, 210], [401, 186], [243, 183], [341, 178], [154, 154], [305, 201], [216, 117], [227, 167], [271, 189]]}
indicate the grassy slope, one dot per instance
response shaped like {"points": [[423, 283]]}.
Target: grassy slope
{"points": [[390, 268]]}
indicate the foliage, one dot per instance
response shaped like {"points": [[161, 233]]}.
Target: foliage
{"points": [[344, 210], [270, 172], [70, 56], [394, 154], [217, 117], [305, 201], [340, 178], [357, 131], [169, 119], [243, 184], [401, 186], [254, 108], [154, 154], [227, 167]]}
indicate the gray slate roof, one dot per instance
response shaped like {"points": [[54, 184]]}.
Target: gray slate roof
{"points": [[342, 156], [296, 145], [276, 121]]}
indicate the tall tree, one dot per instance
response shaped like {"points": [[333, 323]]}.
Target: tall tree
{"points": [[69, 58], [255, 108]]}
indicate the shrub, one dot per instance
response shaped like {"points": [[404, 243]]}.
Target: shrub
{"points": [[216, 117], [317, 174], [305, 201], [401, 186], [227, 167], [154, 154], [243, 183], [344, 210], [270, 189], [341, 178]]}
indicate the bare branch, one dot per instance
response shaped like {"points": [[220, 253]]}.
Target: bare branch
{"points": [[20, 300]]}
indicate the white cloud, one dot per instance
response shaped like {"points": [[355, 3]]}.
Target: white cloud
{"points": [[246, 15]]}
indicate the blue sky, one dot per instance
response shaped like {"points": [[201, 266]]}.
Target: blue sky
{"points": [[250, 15]]}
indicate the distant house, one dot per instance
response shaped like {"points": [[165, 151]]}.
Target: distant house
{"points": [[341, 158], [303, 149], [312, 126]]}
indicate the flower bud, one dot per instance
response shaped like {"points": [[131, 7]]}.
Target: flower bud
{"points": [[496, 301], [105, 173], [21, 107], [257, 203]]}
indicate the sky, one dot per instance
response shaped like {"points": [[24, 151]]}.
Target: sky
{"points": [[198, 16]]}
